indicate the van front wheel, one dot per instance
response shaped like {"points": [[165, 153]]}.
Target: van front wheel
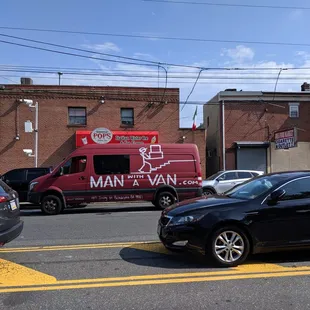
{"points": [[164, 200], [51, 205]]}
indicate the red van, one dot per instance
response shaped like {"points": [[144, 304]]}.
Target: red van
{"points": [[160, 173]]}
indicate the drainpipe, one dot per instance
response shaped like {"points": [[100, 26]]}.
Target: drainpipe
{"points": [[223, 137]]}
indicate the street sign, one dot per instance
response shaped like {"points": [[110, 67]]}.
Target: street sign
{"points": [[285, 139]]}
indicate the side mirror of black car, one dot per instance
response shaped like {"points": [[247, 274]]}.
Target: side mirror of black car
{"points": [[276, 195]]}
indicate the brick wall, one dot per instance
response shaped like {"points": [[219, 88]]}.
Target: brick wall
{"points": [[57, 138], [259, 121], [197, 137]]}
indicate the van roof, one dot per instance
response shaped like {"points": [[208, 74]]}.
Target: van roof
{"points": [[171, 146]]}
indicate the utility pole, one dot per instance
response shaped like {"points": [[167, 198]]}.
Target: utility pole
{"points": [[59, 75]]}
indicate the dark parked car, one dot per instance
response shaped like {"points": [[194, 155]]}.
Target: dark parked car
{"points": [[268, 213], [10, 224], [19, 179]]}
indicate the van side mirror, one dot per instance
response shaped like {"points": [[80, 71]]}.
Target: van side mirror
{"points": [[276, 195], [59, 172]]}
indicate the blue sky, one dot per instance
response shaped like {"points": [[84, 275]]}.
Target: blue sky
{"points": [[169, 20]]}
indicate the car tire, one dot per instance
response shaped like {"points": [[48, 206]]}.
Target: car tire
{"points": [[164, 200], [229, 251], [51, 205], [207, 191]]}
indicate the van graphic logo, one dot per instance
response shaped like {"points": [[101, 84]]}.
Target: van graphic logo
{"points": [[154, 160]]}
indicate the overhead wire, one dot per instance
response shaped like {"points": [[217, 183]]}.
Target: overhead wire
{"points": [[154, 37], [254, 6]]}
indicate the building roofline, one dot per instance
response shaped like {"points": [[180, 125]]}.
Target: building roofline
{"points": [[89, 87], [259, 96]]}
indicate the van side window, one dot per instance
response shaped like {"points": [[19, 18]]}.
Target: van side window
{"points": [[75, 165], [111, 164]]}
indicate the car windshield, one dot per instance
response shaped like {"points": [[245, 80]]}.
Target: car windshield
{"points": [[214, 176], [253, 188]]}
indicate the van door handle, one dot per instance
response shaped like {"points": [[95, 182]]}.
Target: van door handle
{"points": [[82, 178]]}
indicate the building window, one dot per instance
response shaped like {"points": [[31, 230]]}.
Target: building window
{"points": [[294, 110], [127, 117], [208, 122], [111, 164], [77, 116]]}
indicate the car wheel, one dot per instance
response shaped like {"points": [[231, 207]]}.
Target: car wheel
{"points": [[51, 205], [164, 200], [228, 246], [207, 192]]}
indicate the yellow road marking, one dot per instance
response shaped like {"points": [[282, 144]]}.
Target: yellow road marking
{"points": [[77, 247], [14, 274], [243, 269], [156, 281]]}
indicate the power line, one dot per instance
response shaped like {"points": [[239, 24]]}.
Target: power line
{"points": [[232, 5], [172, 76], [192, 89], [149, 81], [155, 37]]}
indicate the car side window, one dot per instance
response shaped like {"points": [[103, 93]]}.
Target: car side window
{"points": [[15, 175], [75, 165], [228, 176], [298, 189], [111, 164], [254, 174], [33, 174], [244, 175]]}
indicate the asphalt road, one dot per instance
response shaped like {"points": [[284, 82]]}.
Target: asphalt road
{"points": [[110, 258]]}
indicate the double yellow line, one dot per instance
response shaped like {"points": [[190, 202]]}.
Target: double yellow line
{"points": [[245, 272], [77, 247]]}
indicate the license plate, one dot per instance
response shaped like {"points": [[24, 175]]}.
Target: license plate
{"points": [[13, 205]]}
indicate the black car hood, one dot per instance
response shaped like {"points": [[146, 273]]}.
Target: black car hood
{"points": [[200, 203]]}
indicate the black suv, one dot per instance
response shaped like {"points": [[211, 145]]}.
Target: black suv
{"points": [[10, 224], [19, 179]]}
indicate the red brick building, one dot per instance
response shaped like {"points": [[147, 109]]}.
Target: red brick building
{"points": [[241, 128], [66, 113]]}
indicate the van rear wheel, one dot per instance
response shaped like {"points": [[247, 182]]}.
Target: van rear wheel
{"points": [[164, 200], [51, 205]]}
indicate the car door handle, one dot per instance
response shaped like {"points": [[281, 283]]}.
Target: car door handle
{"points": [[82, 178], [251, 213], [303, 211]]}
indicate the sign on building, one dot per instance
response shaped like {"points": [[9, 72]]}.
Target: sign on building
{"points": [[285, 139]]}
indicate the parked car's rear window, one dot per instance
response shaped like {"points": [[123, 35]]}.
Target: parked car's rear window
{"points": [[3, 188]]}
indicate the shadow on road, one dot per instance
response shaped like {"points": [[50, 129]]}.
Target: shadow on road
{"points": [[156, 255], [87, 210]]}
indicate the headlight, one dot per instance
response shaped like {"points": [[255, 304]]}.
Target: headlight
{"points": [[181, 220], [32, 185]]}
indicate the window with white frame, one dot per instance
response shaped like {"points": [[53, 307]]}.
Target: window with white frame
{"points": [[294, 109], [77, 115]]}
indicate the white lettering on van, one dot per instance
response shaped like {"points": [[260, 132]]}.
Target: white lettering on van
{"points": [[135, 183], [119, 181], [172, 180], [93, 182], [108, 182], [159, 179], [135, 176]]}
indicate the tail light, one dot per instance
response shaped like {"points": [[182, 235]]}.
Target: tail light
{"points": [[3, 199], [200, 178]]}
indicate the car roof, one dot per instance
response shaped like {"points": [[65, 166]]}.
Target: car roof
{"points": [[290, 174]]}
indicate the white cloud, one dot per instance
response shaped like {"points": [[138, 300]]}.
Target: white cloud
{"points": [[239, 54], [104, 47]]}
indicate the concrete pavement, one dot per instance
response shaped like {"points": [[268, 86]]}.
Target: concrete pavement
{"points": [[110, 258]]}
